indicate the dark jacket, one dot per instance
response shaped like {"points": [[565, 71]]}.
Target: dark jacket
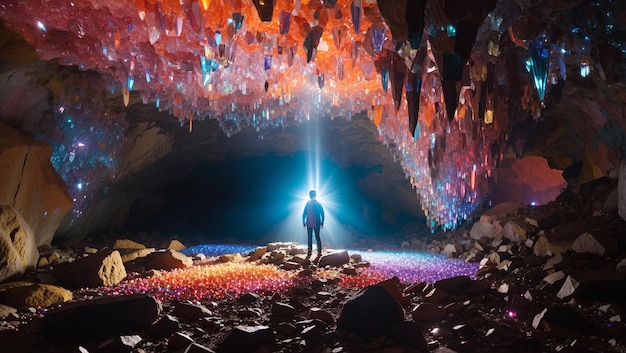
{"points": [[313, 215]]}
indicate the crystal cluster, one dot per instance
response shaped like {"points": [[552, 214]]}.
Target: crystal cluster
{"points": [[267, 63], [227, 280]]}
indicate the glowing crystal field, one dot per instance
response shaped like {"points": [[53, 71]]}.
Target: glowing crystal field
{"points": [[228, 280], [254, 63]]}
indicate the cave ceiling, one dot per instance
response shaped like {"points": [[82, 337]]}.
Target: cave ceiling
{"points": [[449, 86]]}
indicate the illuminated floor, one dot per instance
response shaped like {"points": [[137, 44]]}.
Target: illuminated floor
{"points": [[220, 281]]}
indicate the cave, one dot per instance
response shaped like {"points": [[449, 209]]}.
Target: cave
{"points": [[156, 157]]}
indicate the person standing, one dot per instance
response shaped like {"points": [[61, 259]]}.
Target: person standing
{"points": [[313, 221]]}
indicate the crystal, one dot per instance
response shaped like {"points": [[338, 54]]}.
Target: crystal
{"points": [[539, 61], [284, 21], [357, 11]]}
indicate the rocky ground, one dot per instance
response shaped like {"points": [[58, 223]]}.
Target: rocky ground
{"points": [[552, 279]]}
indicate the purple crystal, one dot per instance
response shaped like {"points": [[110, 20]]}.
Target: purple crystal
{"points": [[356, 15], [378, 36], [284, 21]]}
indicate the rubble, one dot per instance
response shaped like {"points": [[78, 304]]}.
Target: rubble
{"points": [[542, 297]]}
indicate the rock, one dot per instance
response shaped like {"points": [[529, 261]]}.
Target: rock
{"points": [[165, 326], [371, 312], [6, 310], [20, 294], [283, 310], [127, 244], [504, 210], [601, 285], [18, 249], [31, 187], [513, 232], [133, 254], [176, 245], [450, 249], [191, 311], [102, 269], [243, 339], [167, 260], [482, 229], [100, 317], [544, 221], [178, 342], [409, 333], [335, 259], [248, 298], [478, 286], [542, 247], [119, 344], [554, 277], [257, 253], [586, 243], [435, 296], [236, 257], [453, 285], [568, 288], [563, 322], [321, 314], [427, 312]]}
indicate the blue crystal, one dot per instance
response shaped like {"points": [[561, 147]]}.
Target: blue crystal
{"points": [[539, 62]]}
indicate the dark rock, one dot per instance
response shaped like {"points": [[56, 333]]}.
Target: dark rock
{"points": [[101, 317], [453, 285], [409, 333], [427, 312], [566, 322], [165, 326], [242, 339], [283, 310], [178, 342], [191, 311], [119, 344], [371, 312]]}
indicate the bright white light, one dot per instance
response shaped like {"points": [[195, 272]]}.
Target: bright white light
{"points": [[533, 203], [79, 186], [41, 26]]}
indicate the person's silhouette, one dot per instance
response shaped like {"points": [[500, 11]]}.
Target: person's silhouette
{"points": [[313, 221]]}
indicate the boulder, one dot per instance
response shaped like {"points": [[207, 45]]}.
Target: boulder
{"points": [[586, 243], [563, 322], [105, 268], [409, 334], [426, 312], [127, 244], [371, 312], [243, 339], [18, 251], [100, 317], [453, 285], [482, 229], [20, 294], [283, 310], [167, 260], [336, 259], [30, 185]]}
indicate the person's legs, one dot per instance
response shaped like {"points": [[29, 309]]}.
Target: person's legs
{"points": [[319, 241], [309, 232]]}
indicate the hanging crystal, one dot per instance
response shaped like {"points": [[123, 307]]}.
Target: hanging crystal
{"points": [[539, 62]]}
